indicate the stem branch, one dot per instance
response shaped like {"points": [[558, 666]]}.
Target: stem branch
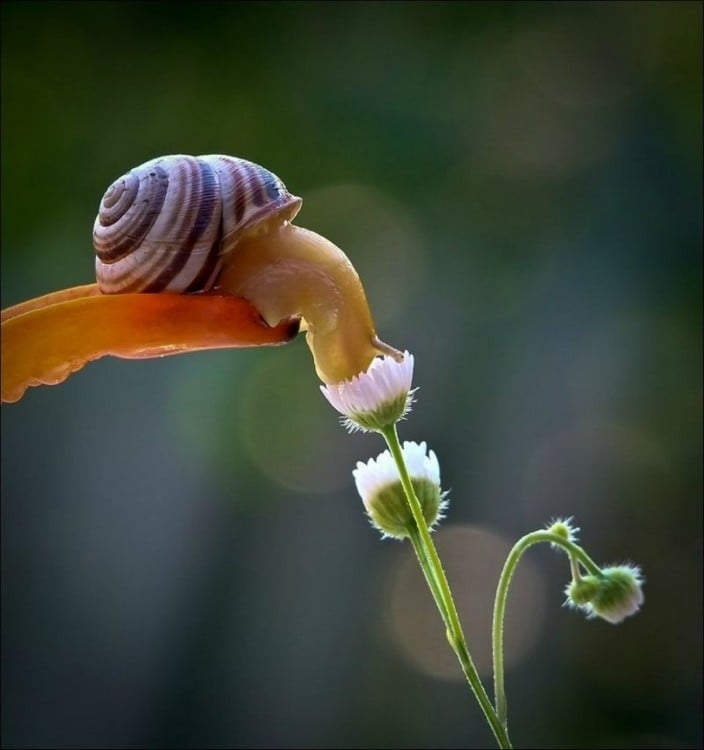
{"points": [[576, 554], [440, 588]]}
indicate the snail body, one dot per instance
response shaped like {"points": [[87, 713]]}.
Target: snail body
{"points": [[219, 224], [195, 253]]}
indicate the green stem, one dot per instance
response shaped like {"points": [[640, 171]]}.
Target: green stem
{"points": [[575, 552], [428, 572], [441, 592]]}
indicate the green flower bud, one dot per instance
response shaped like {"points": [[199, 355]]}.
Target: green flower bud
{"points": [[581, 592], [613, 595], [380, 488], [563, 527]]}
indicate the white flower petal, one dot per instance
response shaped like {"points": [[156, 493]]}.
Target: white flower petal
{"points": [[376, 398], [378, 473]]}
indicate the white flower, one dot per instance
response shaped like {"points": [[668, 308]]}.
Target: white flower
{"points": [[377, 398], [613, 595], [379, 485]]}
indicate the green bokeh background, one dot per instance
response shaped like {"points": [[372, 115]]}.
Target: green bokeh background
{"points": [[185, 562]]}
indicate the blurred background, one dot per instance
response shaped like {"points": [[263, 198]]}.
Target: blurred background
{"points": [[185, 562]]}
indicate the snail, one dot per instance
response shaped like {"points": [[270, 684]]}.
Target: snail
{"points": [[196, 253]]}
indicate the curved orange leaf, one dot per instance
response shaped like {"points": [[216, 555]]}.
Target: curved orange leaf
{"points": [[46, 339], [36, 303]]}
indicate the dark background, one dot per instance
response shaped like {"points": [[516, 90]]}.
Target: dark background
{"points": [[185, 562]]}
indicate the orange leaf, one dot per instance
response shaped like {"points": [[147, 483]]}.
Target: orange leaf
{"points": [[46, 339]]}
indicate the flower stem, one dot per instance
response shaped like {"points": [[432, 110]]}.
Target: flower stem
{"points": [[428, 572], [576, 554], [437, 581]]}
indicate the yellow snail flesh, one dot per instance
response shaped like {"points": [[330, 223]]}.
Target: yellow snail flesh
{"points": [[195, 253]]}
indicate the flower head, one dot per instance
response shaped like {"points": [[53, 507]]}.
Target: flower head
{"points": [[613, 595], [379, 485], [377, 398]]}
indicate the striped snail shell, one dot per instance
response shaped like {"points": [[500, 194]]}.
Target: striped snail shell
{"points": [[166, 225]]}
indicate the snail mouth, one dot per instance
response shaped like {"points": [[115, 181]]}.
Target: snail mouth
{"points": [[290, 326], [295, 326]]}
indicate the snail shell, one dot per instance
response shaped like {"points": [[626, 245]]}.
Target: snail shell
{"points": [[166, 225]]}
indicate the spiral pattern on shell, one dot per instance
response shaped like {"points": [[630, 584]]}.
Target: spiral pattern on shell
{"points": [[165, 225]]}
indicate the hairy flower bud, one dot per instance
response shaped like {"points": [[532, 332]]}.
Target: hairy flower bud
{"points": [[379, 485], [613, 595]]}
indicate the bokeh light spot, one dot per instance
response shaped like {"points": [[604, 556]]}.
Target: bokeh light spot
{"points": [[288, 429], [473, 558]]}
